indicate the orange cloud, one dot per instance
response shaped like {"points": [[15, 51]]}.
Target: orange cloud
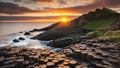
{"points": [[51, 8], [68, 8], [33, 19]]}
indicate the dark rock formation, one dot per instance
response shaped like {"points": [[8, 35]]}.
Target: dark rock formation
{"points": [[99, 14], [94, 53], [90, 53], [21, 38], [46, 28], [15, 57], [66, 41], [15, 40], [27, 33], [61, 32]]}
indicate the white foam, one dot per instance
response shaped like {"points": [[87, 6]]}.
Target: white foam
{"points": [[30, 43]]}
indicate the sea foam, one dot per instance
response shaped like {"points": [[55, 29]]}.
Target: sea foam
{"points": [[29, 43]]}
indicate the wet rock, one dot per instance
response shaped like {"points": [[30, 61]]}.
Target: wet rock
{"points": [[20, 62], [9, 62], [9, 66], [1, 60], [15, 40], [20, 32], [94, 53], [38, 58], [62, 42], [35, 30], [21, 38], [102, 41], [27, 33]]}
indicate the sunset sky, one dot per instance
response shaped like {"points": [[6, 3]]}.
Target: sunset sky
{"points": [[50, 10]]}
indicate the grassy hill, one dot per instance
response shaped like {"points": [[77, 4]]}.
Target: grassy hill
{"points": [[114, 37], [98, 24], [92, 21]]}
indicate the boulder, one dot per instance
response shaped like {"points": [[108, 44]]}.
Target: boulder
{"points": [[21, 38], [27, 33], [15, 40]]}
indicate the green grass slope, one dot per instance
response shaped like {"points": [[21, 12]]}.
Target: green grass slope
{"points": [[98, 24], [113, 36]]}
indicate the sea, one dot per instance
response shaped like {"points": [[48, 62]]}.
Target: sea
{"points": [[14, 30]]}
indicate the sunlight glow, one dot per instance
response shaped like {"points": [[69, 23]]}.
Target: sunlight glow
{"points": [[64, 20]]}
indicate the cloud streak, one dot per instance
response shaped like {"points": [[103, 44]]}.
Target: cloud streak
{"points": [[89, 7], [10, 8], [32, 19], [26, 9]]}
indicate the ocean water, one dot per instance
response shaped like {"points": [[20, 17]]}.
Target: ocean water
{"points": [[14, 27], [10, 31]]}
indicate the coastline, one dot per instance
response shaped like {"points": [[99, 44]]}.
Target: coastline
{"points": [[33, 58], [91, 53], [79, 40]]}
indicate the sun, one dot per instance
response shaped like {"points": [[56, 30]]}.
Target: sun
{"points": [[64, 20]]}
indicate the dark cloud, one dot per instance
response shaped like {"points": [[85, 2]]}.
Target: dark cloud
{"points": [[62, 2], [113, 3], [107, 3], [93, 6], [10, 8]]}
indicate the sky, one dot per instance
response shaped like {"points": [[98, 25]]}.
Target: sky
{"points": [[50, 10]]}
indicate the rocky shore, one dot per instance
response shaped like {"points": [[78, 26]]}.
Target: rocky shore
{"points": [[16, 57], [90, 53], [66, 41], [95, 53]]}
